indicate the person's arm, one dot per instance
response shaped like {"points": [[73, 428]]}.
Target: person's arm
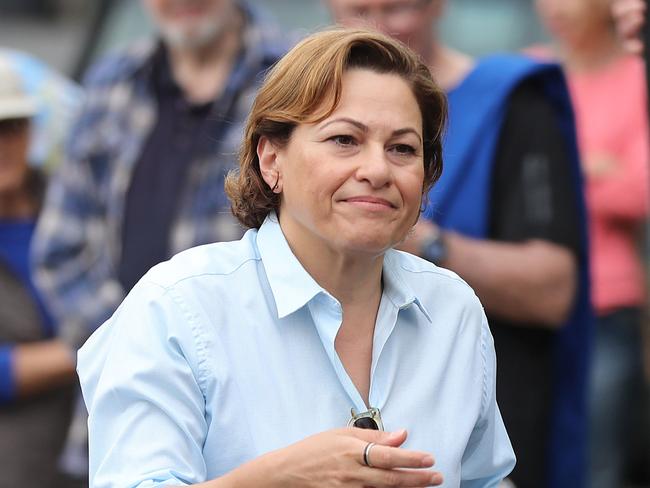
{"points": [[532, 282], [79, 288], [629, 16], [144, 377], [618, 187], [334, 456], [526, 272], [42, 366], [29, 369]]}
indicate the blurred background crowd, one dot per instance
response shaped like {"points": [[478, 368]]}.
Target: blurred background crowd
{"points": [[85, 30], [112, 158]]}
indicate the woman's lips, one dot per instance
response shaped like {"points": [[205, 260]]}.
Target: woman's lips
{"points": [[370, 202]]}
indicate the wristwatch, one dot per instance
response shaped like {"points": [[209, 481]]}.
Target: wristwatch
{"points": [[434, 248]]}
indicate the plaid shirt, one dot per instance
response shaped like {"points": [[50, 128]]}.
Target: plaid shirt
{"points": [[76, 249]]}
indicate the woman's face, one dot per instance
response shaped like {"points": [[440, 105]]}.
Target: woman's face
{"points": [[14, 142], [353, 182], [575, 21]]}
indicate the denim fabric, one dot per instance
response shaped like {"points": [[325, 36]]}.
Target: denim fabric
{"points": [[616, 386]]}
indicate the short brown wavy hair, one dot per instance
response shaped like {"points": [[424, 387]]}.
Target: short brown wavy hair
{"points": [[305, 87]]}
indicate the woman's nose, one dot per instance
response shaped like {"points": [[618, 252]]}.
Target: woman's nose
{"points": [[374, 167]]}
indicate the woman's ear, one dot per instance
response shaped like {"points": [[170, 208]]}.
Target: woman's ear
{"points": [[267, 154]]}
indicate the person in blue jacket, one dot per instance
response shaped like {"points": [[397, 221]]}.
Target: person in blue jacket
{"points": [[508, 217]]}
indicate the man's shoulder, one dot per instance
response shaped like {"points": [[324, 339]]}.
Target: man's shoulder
{"points": [[503, 73], [518, 84], [118, 66], [507, 65]]}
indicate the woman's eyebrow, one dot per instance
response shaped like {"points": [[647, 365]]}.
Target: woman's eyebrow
{"points": [[364, 127], [407, 130], [348, 120]]}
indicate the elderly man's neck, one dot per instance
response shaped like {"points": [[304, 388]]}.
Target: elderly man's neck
{"points": [[202, 72], [448, 66], [592, 53]]}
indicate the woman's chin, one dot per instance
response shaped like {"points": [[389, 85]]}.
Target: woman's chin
{"points": [[367, 244]]}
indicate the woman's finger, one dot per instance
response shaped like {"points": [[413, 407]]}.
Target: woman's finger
{"points": [[621, 8], [634, 46], [631, 25], [629, 16], [389, 458], [386, 478], [394, 439]]}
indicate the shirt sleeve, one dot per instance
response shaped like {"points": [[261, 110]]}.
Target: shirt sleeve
{"points": [[70, 240], [139, 375], [7, 380], [488, 457]]}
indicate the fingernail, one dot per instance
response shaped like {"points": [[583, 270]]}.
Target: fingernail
{"points": [[427, 461], [436, 479], [398, 433]]}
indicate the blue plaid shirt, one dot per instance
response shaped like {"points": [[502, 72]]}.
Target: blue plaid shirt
{"points": [[77, 245]]}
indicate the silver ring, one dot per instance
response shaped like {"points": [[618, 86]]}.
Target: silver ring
{"points": [[366, 454]]}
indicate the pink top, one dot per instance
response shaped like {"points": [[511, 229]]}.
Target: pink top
{"points": [[610, 108], [612, 126]]}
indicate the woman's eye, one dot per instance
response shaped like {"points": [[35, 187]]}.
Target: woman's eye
{"points": [[403, 149], [343, 140]]}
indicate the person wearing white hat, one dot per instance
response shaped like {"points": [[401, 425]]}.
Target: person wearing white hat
{"points": [[16, 108], [58, 100], [36, 373]]}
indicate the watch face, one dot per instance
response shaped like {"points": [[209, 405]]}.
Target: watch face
{"points": [[435, 250]]}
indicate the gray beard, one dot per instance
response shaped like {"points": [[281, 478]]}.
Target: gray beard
{"points": [[205, 33]]}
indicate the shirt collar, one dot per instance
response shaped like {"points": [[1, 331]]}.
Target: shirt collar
{"points": [[162, 79], [293, 287], [396, 286]]}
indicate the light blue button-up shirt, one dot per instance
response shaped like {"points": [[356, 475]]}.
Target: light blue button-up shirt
{"points": [[226, 352]]}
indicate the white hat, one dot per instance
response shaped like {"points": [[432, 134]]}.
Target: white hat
{"points": [[15, 103]]}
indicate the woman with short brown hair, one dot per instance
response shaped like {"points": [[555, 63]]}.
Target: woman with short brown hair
{"points": [[299, 92], [241, 364]]}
